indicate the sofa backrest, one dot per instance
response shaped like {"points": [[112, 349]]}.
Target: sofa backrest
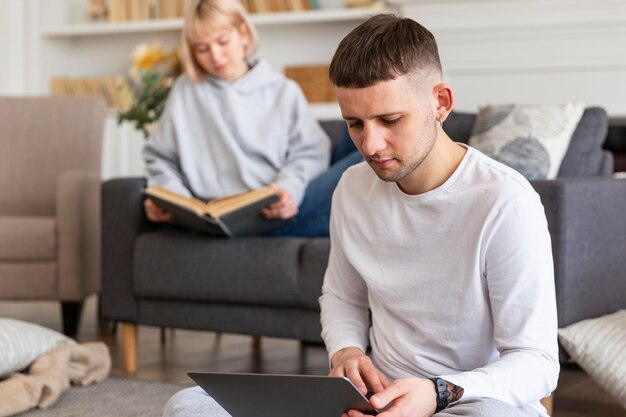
{"points": [[584, 157], [41, 137], [334, 129]]}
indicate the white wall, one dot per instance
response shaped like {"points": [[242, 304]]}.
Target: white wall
{"points": [[12, 46], [542, 51]]}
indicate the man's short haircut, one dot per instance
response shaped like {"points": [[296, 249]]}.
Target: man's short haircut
{"points": [[383, 48]]}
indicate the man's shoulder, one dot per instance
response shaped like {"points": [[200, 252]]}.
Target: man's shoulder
{"points": [[489, 174], [357, 175], [355, 181]]}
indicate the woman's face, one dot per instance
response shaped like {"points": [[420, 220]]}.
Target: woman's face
{"points": [[222, 53]]}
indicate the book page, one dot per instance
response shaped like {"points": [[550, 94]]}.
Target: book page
{"points": [[189, 203], [221, 206]]}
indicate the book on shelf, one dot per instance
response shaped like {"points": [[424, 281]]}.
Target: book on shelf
{"points": [[277, 6], [116, 90], [236, 215], [168, 9], [131, 10], [118, 11], [140, 9]]}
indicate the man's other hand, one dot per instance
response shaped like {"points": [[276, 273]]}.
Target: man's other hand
{"points": [[354, 364]]}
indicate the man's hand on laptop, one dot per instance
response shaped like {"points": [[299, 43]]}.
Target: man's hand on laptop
{"points": [[354, 364], [411, 397]]}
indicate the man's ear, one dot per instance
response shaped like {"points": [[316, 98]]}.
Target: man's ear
{"points": [[444, 100]]}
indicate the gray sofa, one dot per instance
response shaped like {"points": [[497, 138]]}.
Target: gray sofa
{"points": [[162, 276]]}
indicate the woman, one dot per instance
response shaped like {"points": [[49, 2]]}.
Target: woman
{"points": [[232, 124]]}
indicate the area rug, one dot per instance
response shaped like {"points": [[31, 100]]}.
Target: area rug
{"points": [[115, 396]]}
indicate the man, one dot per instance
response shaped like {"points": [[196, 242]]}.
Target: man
{"points": [[441, 254], [440, 257]]}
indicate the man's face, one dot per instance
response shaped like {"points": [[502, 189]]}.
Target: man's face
{"points": [[392, 123]]}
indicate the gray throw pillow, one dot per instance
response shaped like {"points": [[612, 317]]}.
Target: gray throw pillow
{"points": [[530, 139]]}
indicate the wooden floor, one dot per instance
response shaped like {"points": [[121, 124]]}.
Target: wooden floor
{"points": [[576, 396]]}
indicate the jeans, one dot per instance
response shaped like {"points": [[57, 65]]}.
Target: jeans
{"points": [[314, 212]]}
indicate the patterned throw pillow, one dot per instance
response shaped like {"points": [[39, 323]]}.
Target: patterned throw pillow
{"points": [[599, 347], [530, 139]]}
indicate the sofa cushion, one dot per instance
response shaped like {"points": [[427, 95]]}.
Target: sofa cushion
{"points": [[335, 129], [531, 139], [313, 264], [176, 264], [27, 238], [459, 126], [584, 155]]}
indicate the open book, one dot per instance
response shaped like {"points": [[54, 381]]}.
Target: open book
{"points": [[236, 215]]}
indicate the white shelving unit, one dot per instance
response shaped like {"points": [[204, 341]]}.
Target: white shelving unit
{"points": [[67, 44], [259, 20]]}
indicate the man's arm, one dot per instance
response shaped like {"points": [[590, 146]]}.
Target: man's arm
{"points": [[520, 282], [344, 302]]}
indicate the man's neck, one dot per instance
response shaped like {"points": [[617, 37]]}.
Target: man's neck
{"points": [[434, 171]]}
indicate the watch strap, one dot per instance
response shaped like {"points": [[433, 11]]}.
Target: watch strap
{"points": [[441, 388]]}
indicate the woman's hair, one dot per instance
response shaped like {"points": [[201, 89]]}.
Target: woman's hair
{"points": [[206, 16], [383, 48]]}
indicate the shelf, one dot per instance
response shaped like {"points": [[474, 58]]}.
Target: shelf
{"points": [[259, 19]]}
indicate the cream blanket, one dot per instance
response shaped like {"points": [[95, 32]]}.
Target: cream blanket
{"points": [[51, 374]]}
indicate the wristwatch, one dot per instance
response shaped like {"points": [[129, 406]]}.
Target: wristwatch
{"points": [[441, 388]]}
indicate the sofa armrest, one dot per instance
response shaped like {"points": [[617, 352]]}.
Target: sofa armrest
{"points": [[78, 223], [587, 223], [123, 219]]}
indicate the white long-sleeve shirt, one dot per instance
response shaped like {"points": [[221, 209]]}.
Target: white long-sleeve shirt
{"points": [[217, 138], [459, 281]]}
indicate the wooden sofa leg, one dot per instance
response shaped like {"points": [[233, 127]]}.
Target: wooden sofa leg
{"points": [[129, 347], [548, 403]]}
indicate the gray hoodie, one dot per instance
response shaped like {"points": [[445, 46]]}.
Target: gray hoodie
{"points": [[216, 138]]}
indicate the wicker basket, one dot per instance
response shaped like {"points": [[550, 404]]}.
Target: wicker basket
{"points": [[314, 82]]}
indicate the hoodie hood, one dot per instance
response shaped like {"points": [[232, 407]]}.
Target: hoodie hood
{"points": [[260, 75]]}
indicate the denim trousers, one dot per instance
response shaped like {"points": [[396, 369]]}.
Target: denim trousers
{"points": [[314, 212]]}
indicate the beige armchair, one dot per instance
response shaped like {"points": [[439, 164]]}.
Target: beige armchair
{"points": [[50, 156]]}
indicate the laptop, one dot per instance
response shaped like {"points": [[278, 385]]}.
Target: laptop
{"points": [[265, 395]]}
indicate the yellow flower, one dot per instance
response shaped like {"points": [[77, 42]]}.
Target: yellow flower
{"points": [[148, 56], [153, 71]]}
